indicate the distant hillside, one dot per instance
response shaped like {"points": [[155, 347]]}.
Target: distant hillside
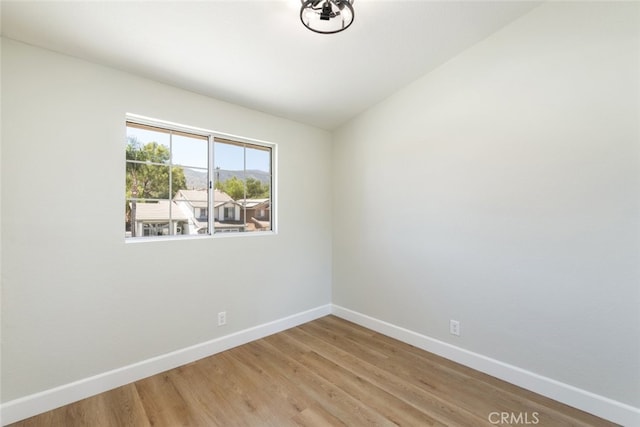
{"points": [[197, 180]]}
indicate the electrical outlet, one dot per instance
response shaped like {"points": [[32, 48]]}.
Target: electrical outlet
{"points": [[222, 318], [454, 327]]}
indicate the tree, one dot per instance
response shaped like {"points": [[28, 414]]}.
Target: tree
{"points": [[234, 188], [148, 175], [238, 189], [256, 189]]}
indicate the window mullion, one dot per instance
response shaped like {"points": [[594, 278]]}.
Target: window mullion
{"points": [[244, 176], [211, 191], [171, 231]]}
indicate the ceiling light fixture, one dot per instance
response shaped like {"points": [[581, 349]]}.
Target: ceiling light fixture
{"points": [[327, 16]]}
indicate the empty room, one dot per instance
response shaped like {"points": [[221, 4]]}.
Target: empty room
{"points": [[320, 213]]}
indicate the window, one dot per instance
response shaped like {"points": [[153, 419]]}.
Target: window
{"points": [[243, 179], [172, 185]]}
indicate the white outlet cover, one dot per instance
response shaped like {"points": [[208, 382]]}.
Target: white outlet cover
{"points": [[454, 327]]}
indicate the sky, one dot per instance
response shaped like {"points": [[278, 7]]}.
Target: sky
{"points": [[193, 152]]}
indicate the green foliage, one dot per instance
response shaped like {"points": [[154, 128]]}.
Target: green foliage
{"points": [[151, 179], [234, 188], [237, 189], [256, 189]]}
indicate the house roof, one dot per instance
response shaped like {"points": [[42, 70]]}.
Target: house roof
{"points": [[198, 198], [159, 211], [192, 195], [254, 203]]}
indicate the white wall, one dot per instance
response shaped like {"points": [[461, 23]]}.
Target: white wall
{"points": [[76, 300], [517, 166]]}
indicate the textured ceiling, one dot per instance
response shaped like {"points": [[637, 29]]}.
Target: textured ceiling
{"points": [[257, 53]]}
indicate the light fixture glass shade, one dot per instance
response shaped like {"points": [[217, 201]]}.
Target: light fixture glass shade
{"points": [[327, 16]]}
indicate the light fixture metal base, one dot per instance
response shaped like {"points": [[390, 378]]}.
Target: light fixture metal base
{"points": [[327, 16]]}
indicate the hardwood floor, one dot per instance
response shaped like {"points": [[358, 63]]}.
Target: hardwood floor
{"points": [[328, 372]]}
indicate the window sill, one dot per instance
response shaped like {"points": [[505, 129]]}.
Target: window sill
{"points": [[215, 236]]}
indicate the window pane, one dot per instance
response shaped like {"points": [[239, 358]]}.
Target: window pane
{"points": [[258, 182], [146, 145], [228, 158], [229, 169], [154, 218], [194, 207], [146, 181], [258, 159], [258, 214], [243, 174], [196, 179], [188, 151], [165, 199]]}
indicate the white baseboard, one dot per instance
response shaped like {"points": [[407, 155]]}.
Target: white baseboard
{"points": [[592, 403], [28, 406], [38, 403]]}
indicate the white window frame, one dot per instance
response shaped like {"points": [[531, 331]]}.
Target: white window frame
{"points": [[211, 136]]}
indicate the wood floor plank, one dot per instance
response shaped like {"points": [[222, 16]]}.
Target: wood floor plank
{"points": [[391, 407], [291, 400], [328, 372], [444, 383], [450, 381], [326, 394], [522, 400], [244, 392], [310, 417], [164, 403], [280, 376], [117, 407], [428, 401]]}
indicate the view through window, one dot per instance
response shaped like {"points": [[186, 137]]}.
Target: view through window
{"points": [[173, 187]]}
